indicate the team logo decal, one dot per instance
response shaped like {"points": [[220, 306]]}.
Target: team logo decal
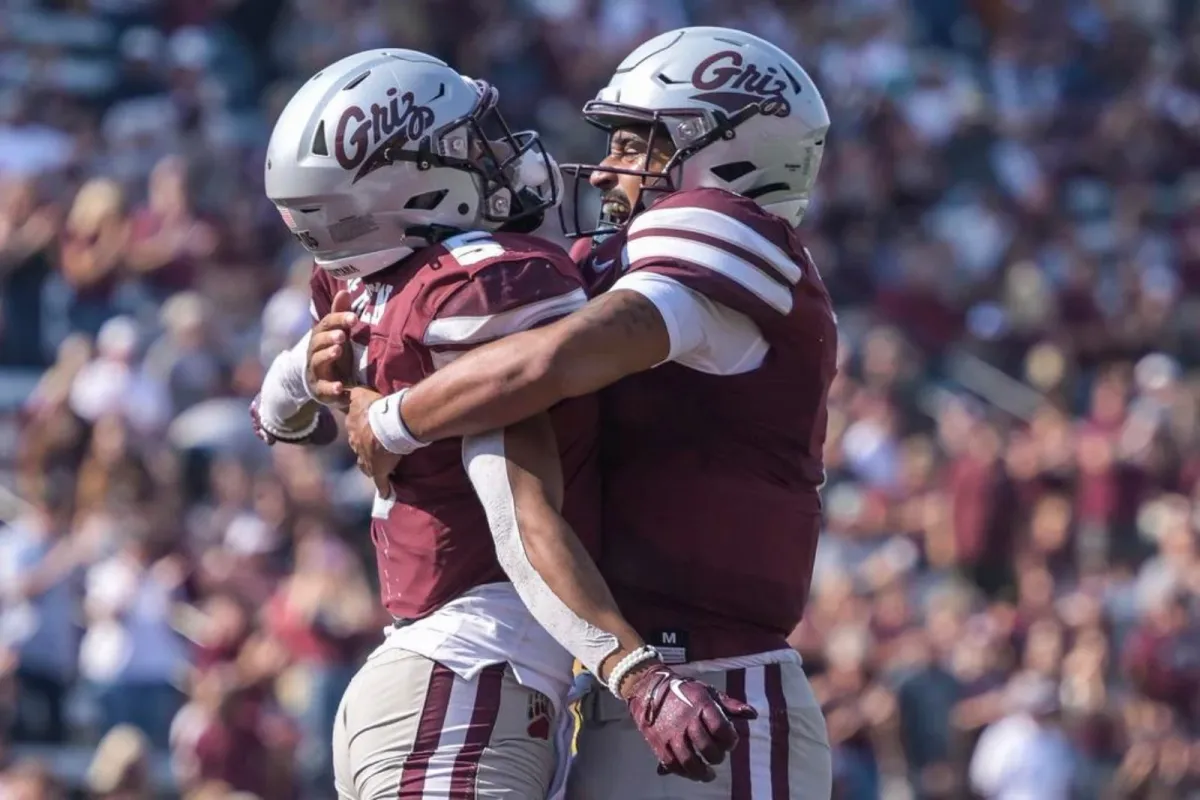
{"points": [[541, 716], [726, 80], [363, 137]]}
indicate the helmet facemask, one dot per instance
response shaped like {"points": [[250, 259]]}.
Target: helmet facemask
{"points": [[687, 129], [504, 162]]}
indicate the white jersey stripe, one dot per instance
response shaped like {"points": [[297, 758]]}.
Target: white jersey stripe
{"points": [[716, 259], [475, 330], [440, 771], [760, 734], [722, 226]]}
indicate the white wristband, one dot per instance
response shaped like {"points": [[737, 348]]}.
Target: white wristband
{"points": [[628, 664], [389, 428]]}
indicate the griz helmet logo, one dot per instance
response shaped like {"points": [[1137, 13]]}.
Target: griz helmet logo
{"points": [[726, 80], [363, 138]]}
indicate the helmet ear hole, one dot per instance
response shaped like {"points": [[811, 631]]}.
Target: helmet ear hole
{"points": [[427, 201], [762, 191], [733, 170]]}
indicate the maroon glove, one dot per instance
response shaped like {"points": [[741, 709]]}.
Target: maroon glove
{"points": [[688, 724], [325, 432]]}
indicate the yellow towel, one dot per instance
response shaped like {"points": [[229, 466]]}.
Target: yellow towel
{"points": [[576, 710]]}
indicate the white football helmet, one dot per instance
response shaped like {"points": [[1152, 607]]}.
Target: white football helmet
{"points": [[741, 113], [391, 150]]}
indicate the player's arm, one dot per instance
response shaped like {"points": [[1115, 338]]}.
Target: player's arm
{"points": [[287, 407], [688, 725], [284, 410], [646, 320], [614, 335], [698, 303], [518, 476]]}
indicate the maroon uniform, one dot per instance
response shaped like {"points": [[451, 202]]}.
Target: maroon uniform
{"points": [[730, 460], [433, 543]]}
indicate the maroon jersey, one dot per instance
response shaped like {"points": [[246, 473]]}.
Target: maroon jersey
{"points": [[433, 543], [711, 505]]}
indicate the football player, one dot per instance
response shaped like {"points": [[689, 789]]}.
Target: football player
{"points": [[712, 339], [404, 181]]}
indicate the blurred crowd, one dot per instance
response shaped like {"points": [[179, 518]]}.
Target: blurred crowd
{"points": [[1008, 218]]}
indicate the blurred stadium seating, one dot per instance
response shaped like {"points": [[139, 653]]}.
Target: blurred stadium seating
{"points": [[1009, 221]]}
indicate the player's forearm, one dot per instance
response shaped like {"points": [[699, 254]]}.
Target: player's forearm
{"points": [[485, 390], [284, 399], [518, 478], [510, 380], [559, 559]]}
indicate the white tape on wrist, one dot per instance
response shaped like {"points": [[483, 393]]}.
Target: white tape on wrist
{"points": [[282, 397], [290, 436], [389, 428], [628, 664]]}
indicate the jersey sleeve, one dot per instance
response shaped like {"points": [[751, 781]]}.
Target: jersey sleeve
{"points": [[720, 246], [501, 298], [321, 288], [705, 335]]}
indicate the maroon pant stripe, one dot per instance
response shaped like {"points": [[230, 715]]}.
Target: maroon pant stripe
{"points": [[429, 733], [479, 733], [777, 712], [739, 759]]}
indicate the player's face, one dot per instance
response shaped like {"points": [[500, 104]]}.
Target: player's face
{"points": [[629, 149]]}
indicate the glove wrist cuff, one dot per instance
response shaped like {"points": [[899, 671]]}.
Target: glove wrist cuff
{"points": [[628, 664]]}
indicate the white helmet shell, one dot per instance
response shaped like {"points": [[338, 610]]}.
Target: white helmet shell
{"points": [[385, 152], [743, 114]]}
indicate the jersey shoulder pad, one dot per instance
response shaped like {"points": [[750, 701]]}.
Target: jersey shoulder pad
{"points": [[500, 284], [721, 245], [722, 200]]}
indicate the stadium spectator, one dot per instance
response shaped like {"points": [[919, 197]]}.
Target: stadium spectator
{"points": [[1008, 219], [38, 566]]}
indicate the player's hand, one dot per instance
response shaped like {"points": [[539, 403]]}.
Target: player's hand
{"points": [[325, 432], [687, 723], [329, 369], [373, 459]]}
